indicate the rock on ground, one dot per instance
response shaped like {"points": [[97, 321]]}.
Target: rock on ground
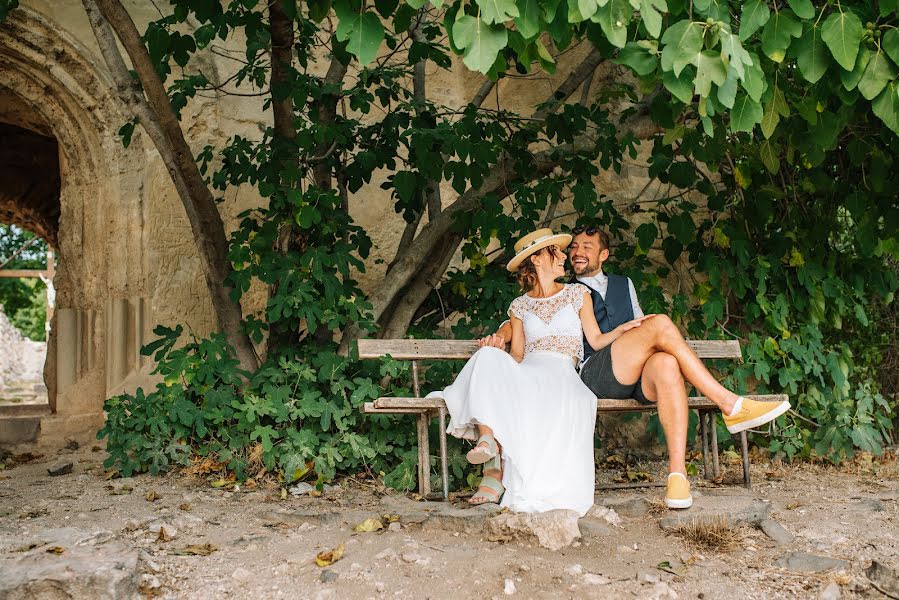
{"points": [[554, 529], [733, 510], [885, 578], [810, 563], [776, 531], [109, 572]]}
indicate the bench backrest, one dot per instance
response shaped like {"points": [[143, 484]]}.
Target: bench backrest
{"points": [[408, 349]]}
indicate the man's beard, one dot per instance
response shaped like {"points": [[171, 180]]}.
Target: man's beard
{"points": [[587, 268]]}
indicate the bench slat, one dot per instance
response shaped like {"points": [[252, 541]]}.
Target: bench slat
{"points": [[414, 405], [404, 349]]}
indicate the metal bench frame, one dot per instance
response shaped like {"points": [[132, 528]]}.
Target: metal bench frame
{"points": [[428, 408]]}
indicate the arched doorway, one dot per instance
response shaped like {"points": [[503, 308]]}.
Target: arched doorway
{"points": [[65, 176]]}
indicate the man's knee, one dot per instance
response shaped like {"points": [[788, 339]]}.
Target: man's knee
{"points": [[664, 369], [663, 326]]}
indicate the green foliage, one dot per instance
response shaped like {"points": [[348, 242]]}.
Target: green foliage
{"points": [[299, 412], [24, 301]]}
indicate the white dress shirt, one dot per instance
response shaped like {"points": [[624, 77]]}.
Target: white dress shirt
{"points": [[600, 283]]}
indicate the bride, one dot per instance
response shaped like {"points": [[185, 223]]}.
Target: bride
{"points": [[531, 414]]}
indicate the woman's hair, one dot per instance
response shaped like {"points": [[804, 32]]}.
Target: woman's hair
{"points": [[527, 272]]}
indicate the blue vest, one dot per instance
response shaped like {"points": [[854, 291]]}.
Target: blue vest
{"points": [[612, 311]]}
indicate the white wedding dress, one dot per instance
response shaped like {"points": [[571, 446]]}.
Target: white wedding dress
{"points": [[540, 411]]}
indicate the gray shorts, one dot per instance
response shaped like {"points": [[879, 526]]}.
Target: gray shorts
{"points": [[597, 373]]}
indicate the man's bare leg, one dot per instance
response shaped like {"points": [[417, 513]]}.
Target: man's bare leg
{"points": [[632, 350], [663, 384]]}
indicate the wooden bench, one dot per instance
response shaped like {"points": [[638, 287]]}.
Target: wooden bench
{"points": [[428, 408]]}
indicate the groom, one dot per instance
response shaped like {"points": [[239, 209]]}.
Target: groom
{"points": [[648, 363]]}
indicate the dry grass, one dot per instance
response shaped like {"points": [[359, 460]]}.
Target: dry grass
{"points": [[715, 536], [657, 507]]}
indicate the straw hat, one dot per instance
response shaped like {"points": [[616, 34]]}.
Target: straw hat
{"points": [[535, 241]]}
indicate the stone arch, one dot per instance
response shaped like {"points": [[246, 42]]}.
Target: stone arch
{"points": [[51, 90]]}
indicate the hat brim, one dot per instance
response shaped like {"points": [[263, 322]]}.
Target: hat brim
{"points": [[560, 239]]}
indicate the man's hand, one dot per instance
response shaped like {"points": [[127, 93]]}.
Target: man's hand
{"points": [[632, 324], [493, 340]]}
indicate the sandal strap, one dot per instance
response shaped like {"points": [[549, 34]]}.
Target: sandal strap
{"points": [[493, 484], [490, 441], [495, 463]]}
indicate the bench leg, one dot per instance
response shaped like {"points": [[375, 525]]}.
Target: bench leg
{"points": [[444, 460], [704, 435], [744, 445], [424, 456], [713, 426]]}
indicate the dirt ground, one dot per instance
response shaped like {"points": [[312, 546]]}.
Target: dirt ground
{"points": [[263, 546]]}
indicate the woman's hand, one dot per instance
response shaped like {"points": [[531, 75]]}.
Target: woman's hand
{"points": [[631, 324], [493, 341]]}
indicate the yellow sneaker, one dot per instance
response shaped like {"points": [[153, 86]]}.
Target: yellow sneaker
{"points": [[754, 413], [678, 494]]}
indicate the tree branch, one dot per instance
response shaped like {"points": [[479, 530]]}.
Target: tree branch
{"points": [[158, 119], [418, 291], [570, 85]]}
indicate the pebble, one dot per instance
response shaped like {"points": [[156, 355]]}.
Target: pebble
{"points": [[644, 577], [328, 576], [606, 514], [387, 554], [60, 468], [622, 549], [661, 591], [594, 579], [242, 575], [415, 557], [149, 581], [300, 489], [395, 526], [171, 531], [380, 587], [831, 591], [575, 570], [509, 587]]}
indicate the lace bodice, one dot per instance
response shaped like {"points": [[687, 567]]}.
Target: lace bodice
{"points": [[553, 324]]}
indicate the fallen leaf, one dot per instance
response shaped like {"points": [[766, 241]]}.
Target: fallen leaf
{"points": [[283, 493], [314, 493], [730, 457], [163, 536], [113, 474], [614, 461], [119, 491], [220, 483], [55, 550], [794, 505], [185, 507], [368, 525], [196, 550], [390, 518], [152, 496], [323, 559]]}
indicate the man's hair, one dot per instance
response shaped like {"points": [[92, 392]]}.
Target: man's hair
{"points": [[590, 230]]}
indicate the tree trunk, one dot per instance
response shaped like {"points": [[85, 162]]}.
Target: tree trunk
{"points": [[421, 287], [158, 119], [281, 31]]}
